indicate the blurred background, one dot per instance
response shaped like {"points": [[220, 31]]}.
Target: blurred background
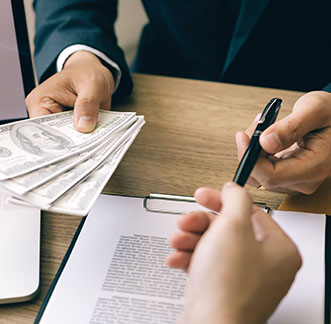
{"points": [[131, 19]]}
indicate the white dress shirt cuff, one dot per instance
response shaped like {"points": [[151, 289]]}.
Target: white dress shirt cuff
{"points": [[64, 55]]}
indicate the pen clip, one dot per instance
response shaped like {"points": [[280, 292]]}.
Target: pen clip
{"points": [[273, 102]]}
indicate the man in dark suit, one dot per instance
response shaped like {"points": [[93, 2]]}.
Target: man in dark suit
{"points": [[270, 43], [266, 43]]}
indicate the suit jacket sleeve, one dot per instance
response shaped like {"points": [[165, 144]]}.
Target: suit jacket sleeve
{"points": [[61, 23], [327, 87]]}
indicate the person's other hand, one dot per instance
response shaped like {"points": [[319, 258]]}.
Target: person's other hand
{"points": [[192, 226], [242, 266], [298, 147], [84, 83]]}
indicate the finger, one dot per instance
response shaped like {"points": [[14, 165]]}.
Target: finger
{"points": [[184, 241], [179, 260], [265, 227], [86, 109], [277, 174], [209, 198], [40, 109], [196, 222], [106, 104], [277, 244], [308, 115], [284, 153], [237, 205], [290, 174], [251, 128], [50, 97], [242, 141]]}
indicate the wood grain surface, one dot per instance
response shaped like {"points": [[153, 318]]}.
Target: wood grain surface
{"points": [[187, 142]]}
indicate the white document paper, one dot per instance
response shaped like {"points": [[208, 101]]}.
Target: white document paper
{"points": [[117, 274], [305, 301]]}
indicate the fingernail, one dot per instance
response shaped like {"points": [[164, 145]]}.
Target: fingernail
{"points": [[257, 117], [272, 143], [181, 217], [229, 185], [86, 124]]}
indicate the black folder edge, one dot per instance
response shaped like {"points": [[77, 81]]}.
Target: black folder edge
{"points": [[327, 293], [59, 272]]}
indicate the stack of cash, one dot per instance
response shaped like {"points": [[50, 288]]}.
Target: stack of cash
{"points": [[47, 163]]}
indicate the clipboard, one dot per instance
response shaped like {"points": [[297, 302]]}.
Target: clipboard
{"points": [[154, 203]]}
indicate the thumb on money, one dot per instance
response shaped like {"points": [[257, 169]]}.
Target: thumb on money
{"points": [[84, 84]]}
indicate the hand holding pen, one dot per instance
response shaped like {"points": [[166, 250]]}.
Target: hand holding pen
{"points": [[298, 147], [254, 148]]}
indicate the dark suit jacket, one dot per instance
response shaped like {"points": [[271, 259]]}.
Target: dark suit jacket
{"points": [[275, 43]]}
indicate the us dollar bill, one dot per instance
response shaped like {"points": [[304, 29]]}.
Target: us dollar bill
{"points": [[81, 197], [27, 182], [32, 144], [50, 191]]}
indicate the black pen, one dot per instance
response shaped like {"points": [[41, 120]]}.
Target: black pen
{"points": [[253, 150]]}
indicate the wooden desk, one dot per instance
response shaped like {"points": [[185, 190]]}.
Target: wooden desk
{"points": [[187, 142]]}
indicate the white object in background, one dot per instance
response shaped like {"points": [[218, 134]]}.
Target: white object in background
{"points": [[17, 78], [19, 252]]}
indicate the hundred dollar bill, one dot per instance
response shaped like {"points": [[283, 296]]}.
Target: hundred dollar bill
{"points": [[31, 180], [31, 144], [79, 200], [47, 193], [26, 182]]}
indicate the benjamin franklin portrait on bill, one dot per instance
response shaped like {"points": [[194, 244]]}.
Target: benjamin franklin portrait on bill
{"points": [[4, 152], [40, 139]]}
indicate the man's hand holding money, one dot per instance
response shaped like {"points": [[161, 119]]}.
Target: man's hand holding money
{"points": [[84, 83]]}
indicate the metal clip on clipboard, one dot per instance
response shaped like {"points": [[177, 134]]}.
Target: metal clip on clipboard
{"points": [[176, 205]]}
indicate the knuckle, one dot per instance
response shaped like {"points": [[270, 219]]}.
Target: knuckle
{"points": [[87, 101], [294, 258], [32, 96], [95, 76], [28, 101], [322, 174], [317, 176], [46, 101], [319, 102], [308, 190], [295, 128], [291, 258], [319, 98]]}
